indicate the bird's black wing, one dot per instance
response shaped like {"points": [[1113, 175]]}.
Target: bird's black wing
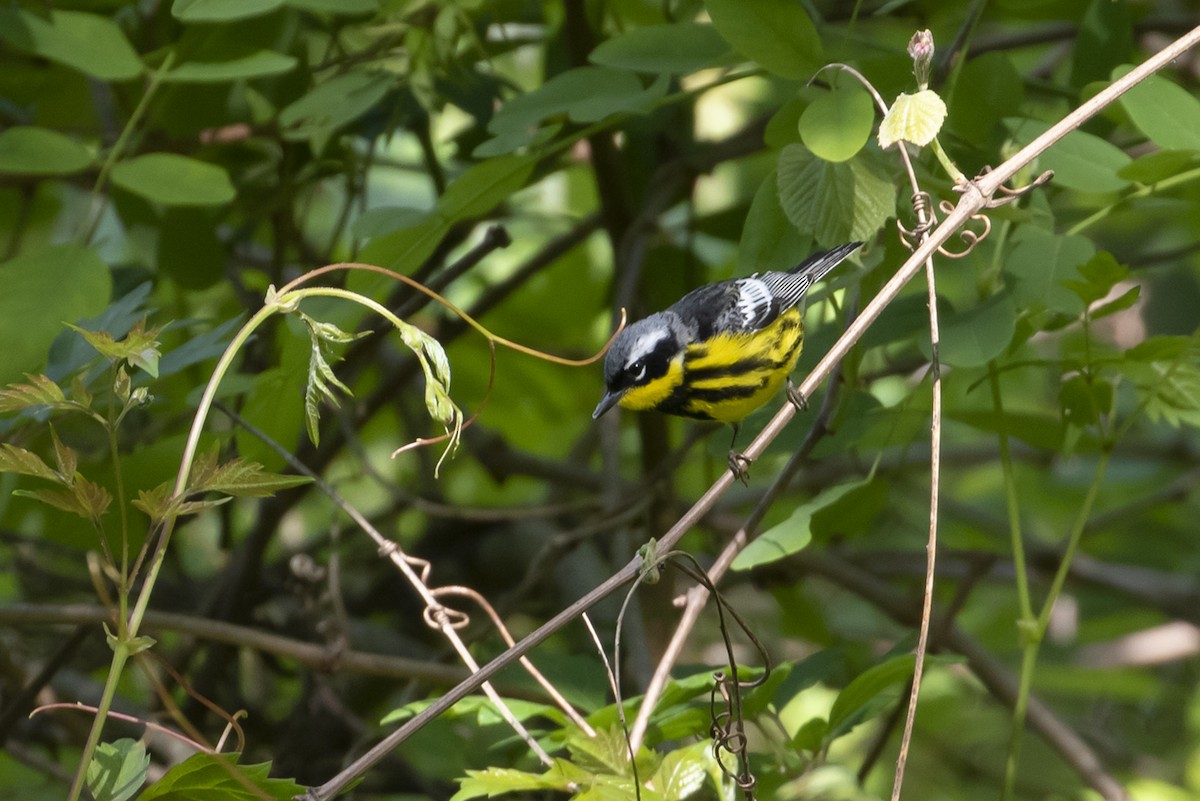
{"points": [[709, 308]]}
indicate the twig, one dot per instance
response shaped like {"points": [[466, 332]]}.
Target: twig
{"points": [[313, 655]]}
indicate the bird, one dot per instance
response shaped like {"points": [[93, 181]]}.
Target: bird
{"points": [[720, 352]]}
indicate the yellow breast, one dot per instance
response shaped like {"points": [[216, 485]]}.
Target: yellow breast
{"points": [[732, 375]]}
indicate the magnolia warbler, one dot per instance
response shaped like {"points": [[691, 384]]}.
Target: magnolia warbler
{"points": [[719, 352]]}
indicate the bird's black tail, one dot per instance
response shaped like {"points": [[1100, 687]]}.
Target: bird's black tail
{"points": [[789, 288], [816, 266]]}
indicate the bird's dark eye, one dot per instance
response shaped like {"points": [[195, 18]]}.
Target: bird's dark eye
{"points": [[637, 370]]}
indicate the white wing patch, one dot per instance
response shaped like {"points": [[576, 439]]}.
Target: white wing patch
{"points": [[754, 300]]}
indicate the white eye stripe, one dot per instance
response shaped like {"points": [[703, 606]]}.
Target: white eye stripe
{"points": [[644, 345]]}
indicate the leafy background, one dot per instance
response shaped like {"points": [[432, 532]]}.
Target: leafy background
{"points": [[171, 161]]}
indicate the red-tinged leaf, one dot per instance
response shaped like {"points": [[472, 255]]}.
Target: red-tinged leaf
{"points": [[93, 498], [241, 478], [67, 461], [139, 347], [59, 499], [25, 463], [39, 391], [154, 503]]}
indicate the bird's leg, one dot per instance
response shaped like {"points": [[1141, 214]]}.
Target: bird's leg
{"points": [[739, 464], [793, 394]]}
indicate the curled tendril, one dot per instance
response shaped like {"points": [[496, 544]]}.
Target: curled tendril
{"points": [[438, 615], [1008, 195], [927, 219]]}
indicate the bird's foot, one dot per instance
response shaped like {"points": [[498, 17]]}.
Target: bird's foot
{"points": [[739, 465], [798, 400]]}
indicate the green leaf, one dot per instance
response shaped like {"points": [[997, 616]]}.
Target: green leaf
{"points": [[769, 240], [1083, 401], [985, 89], [484, 186], [792, 535], [405, 249], [1154, 167], [672, 49], [316, 116], [866, 688], [775, 33], [915, 118], [92, 44], [1104, 40], [1080, 160], [1041, 261], [261, 64], [1126, 300], [320, 374], [221, 10], [39, 391], [118, 770], [26, 463], [1035, 428], [239, 477], [835, 126], [498, 781], [835, 202], [342, 7], [42, 288], [976, 336], [683, 770], [218, 777], [1165, 112], [174, 180], [26, 150], [584, 94]]}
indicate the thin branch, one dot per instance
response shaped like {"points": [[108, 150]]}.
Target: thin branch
{"points": [[313, 655]]}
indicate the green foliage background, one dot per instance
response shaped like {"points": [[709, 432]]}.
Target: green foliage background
{"points": [[168, 162]]}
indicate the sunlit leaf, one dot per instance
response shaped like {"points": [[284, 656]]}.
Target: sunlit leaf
{"points": [[118, 770], [915, 118]]}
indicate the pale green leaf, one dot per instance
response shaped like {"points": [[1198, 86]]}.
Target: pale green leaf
{"points": [[915, 118], [792, 535], [118, 770]]}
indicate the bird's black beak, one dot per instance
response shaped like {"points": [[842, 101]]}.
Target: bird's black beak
{"points": [[609, 400]]}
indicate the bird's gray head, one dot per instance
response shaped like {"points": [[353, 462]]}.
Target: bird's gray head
{"points": [[641, 353]]}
